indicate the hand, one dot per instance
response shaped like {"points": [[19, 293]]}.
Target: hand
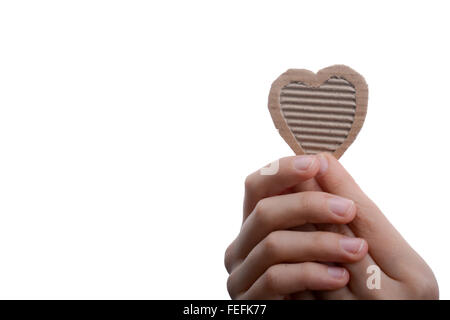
{"points": [[270, 260]]}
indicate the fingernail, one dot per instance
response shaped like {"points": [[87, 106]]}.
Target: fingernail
{"points": [[336, 272], [352, 245], [340, 206], [303, 163], [323, 164]]}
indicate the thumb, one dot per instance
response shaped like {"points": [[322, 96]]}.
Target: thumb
{"points": [[386, 246]]}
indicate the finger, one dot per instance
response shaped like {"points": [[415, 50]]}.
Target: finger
{"points": [[292, 247], [288, 211], [357, 270], [303, 295], [308, 185], [290, 171], [387, 247], [281, 280]]}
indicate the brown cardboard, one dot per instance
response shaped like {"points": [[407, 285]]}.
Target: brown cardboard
{"points": [[319, 112]]}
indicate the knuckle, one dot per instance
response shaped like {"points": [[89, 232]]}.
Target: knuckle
{"points": [[250, 182], [308, 203], [307, 270], [230, 290], [306, 200], [271, 279], [261, 213], [228, 257], [320, 240], [271, 245], [323, 245]]}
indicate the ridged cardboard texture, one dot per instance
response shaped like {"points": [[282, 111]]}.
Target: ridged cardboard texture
{"points": [[320, 112]]}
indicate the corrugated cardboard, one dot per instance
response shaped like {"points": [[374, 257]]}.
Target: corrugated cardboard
{"points": [[319, 112]]}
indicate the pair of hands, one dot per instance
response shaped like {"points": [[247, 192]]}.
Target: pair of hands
{"points": [[309, 232]]}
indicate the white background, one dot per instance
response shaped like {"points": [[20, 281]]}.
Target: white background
{"points": [[127, 129]]}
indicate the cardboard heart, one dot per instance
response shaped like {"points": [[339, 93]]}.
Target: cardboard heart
{"points": [[321, 112]]}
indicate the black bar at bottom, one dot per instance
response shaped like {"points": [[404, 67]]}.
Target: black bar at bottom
{"points": [[222, 309]]}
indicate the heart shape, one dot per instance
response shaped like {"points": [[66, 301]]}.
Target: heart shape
{"points": [[321, 112]]}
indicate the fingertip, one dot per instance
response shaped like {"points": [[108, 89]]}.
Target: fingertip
{"points": [[324, 159], [327, 155], [344, 210], [364, 249], [306, 166], [362, 252], [346, 276], [355, 249], [315, 167], [351, 214], [334, 178], [339, 275]]}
